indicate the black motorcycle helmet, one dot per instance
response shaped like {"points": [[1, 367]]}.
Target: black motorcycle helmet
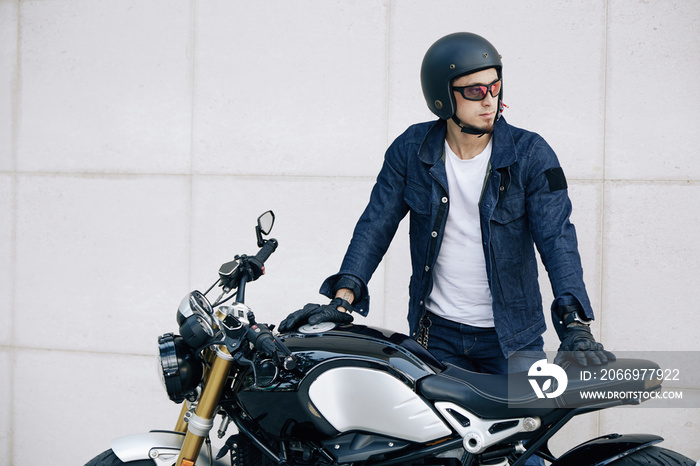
{"points": [[450, 57]]}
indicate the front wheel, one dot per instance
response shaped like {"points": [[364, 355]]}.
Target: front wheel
{"points": [[108, 458], [654, 456]]}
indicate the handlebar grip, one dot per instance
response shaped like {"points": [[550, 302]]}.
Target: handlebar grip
{"points": [[264, 341], [267, 344], [289, 361], [267, 250]]}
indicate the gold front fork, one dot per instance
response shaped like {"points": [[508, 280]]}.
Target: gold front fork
{"points": [[200, 424], [181, 425]]}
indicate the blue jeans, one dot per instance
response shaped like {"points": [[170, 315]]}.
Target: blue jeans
{"points": [[477, 349]]}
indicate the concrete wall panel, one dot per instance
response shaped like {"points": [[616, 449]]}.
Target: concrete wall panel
{"points": [[99, 260], [7, 245], [8, 81], [290, 88], [652, 45], [105, 86]]}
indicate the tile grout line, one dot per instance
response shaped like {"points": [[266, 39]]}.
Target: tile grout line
{"points": [[13, 235], [602, 214], [387, 81], [191, 175]]}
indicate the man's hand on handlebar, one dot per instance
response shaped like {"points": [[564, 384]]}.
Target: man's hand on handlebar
{"points": [[316, 313]]}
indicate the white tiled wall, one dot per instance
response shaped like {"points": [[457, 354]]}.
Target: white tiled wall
{"points": [[653, 264], [96, 252], [289, 88], [139, 141], [652, 137], [7, 196], [104, 87]]}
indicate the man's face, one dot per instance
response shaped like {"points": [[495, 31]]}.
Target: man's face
{"points": [[478, 114]]}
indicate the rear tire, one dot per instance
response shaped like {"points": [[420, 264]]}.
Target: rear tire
{"points": [[108, 458], [654, 456]]}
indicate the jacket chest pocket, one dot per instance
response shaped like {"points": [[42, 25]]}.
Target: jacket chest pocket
{"points": [[417, 199], [509, 227]]}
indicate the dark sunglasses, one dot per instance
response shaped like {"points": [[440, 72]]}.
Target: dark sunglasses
{"points": [[479, 91]]}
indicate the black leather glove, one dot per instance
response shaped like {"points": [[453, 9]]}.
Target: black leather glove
{"points": [[316, 313], [579, 346]]}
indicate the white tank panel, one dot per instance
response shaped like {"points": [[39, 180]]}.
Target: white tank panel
{"points": [[356, 398]]}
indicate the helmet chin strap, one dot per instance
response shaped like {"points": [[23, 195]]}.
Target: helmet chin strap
{"points": [[468, 129], [476, 131]]}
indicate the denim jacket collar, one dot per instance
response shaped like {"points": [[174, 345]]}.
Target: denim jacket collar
{"points": [[430, 151], [504, 151]]}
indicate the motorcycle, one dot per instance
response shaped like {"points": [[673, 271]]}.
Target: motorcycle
{"points": [[356, 395]]}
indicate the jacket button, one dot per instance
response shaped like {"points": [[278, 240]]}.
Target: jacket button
{"points": [[434, 234], [502, 188], [444, 200], [427, 267]]}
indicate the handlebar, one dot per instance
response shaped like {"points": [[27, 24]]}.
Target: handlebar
{"points": [[243, 269], [256, 264], [266, 251], [262, 339]]}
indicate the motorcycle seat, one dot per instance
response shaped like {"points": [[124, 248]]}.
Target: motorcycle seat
{"points": [[499, 396]]}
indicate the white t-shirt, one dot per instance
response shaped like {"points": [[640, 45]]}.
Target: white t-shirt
{"points": [[460, 286]]}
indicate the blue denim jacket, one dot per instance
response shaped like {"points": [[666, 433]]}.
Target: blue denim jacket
{"points": [[524, 203]]}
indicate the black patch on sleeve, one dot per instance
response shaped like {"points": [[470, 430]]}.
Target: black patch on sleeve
{"points": [[556, 179]]}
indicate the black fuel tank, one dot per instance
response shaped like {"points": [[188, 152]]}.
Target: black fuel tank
{"points": [[351, 357]]}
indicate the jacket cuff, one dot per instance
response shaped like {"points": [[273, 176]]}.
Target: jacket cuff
{"points": [[568, 304], [358, 287], [569, 301]]}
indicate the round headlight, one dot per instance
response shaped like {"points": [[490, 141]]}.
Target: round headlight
{"points": [[181, 369]]}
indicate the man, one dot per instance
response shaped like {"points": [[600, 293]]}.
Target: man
{"points": [[481, 195]]}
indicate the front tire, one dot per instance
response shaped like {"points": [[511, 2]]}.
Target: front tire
{"points": [[108, 458], [654, 456]]}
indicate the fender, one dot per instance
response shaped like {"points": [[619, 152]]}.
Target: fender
{"points": [[162, 447], [605, 449]]}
